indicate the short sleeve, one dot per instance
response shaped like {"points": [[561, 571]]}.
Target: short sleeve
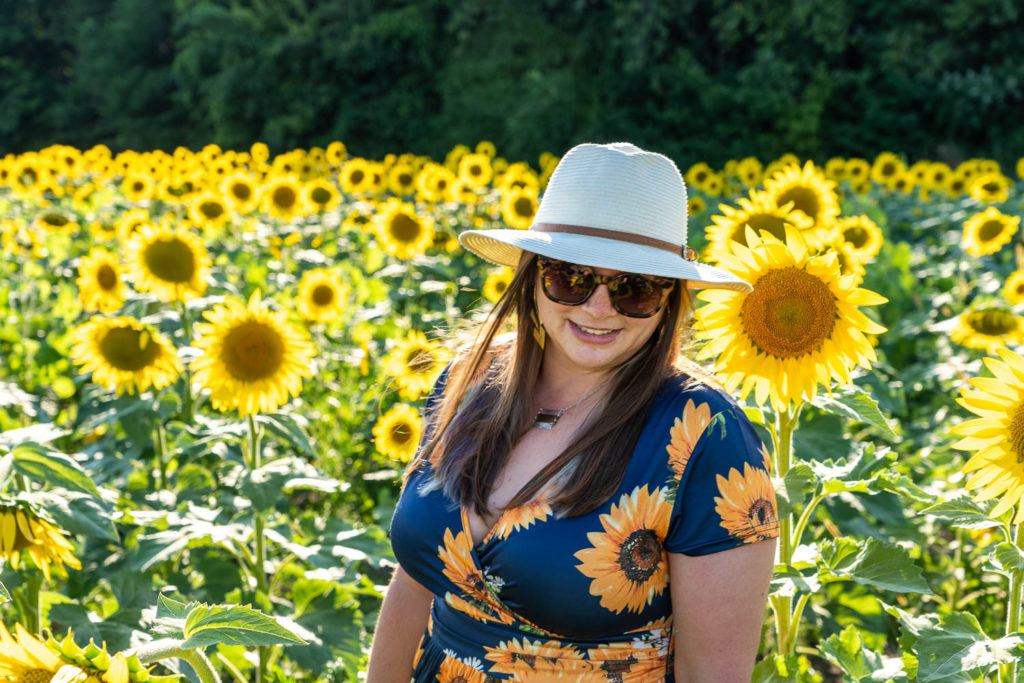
{"points": [[725, 496]]}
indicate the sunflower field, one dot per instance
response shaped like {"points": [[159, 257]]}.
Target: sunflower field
{"points": [[213, 362]]}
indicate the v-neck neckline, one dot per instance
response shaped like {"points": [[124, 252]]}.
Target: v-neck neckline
{"points": [[468, 528]]}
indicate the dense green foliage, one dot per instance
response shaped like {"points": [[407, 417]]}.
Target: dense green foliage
{"points": [[697, 80]]}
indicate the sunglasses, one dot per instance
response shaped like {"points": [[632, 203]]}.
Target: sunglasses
{"points": [[632, 295]]}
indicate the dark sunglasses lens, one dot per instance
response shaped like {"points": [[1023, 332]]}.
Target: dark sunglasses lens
{"points": [[637, 296], [566, 284]]}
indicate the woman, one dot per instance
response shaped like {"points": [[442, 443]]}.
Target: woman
{"points": [[586, 504]]}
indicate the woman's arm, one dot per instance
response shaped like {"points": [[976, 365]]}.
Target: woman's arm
{"points": [[403, 617], [718, 606]]}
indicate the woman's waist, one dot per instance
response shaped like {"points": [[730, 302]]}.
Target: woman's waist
{"points": [[517, 644]]}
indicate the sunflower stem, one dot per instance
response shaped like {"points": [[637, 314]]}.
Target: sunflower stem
{"points": [[186, 326], [782, 438], [259, 554], [159, 447], [171, 649], [1008, 672], [34, 600]]}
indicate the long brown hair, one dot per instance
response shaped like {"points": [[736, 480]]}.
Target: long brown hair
{"points": [[481, 414]]}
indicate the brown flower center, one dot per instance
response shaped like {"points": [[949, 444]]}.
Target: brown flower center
{"points": [[990, 230], [356, 177], [640, 555], [760, 221], [211, 209], [321, 195], [322, 295], [401, 433], [252, 351], [524, 206], [284, 197], [1017, 433], [106, 277], [993, 322], [170, 260], [241, 191], [404, 228], [761, 513], [804, 198], [128, 349], [789, 314], [856, 235]]}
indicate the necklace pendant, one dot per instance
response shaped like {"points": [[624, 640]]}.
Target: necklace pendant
{"points": [[546, 419]]}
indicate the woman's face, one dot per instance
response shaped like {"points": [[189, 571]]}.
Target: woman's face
{"points": [[613, 339]]}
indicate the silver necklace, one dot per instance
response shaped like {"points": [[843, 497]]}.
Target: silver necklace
{"points": [[547, 418]]}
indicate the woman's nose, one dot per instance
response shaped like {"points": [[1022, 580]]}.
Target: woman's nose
{"points": [[600, 302]]}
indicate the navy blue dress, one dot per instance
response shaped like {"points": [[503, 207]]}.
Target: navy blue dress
{"points": [[586, 598]]}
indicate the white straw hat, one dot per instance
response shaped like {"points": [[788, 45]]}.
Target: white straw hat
{"points": [[612, 206]]}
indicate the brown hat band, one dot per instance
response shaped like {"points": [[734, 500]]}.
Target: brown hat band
{"points": [[686, 252]]}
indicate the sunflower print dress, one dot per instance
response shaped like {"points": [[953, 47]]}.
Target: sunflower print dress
{"points": [[585, 598]]}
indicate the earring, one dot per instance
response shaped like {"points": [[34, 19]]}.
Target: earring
{"points": [[539, 335]]}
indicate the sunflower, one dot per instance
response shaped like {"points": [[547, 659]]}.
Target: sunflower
{"points": [[415, 363], [698, 173], [759, 211], [857, 170], [355, 176], [401, 179], [283, 199], [809, 190], [240, 191], [990, 187], [137, 187], [519, 206], [124, 355], [513, 656], [322, 295], [131, 222], [456, 555], [401, 232], [800, 326], [468, 608], [463, 192], [170, 262], [1013, 289], [684, 434], [22, 529], [252, 358], [695, 205], [746, 504], [627, 561], [100, 283], [988, 327], [986, 232], [209, 210], [750, 171], [433, 181], [475, 169], [454, 670], [862, 235], [997, 434], [886, 168], [322, 195], [397, 433], [522, 517], [496, 283], [56, 221]]}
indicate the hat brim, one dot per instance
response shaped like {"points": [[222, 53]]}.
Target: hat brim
{"points": [[505, 246]]}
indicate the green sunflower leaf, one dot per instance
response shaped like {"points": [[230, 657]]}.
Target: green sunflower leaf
{"points": [[857, 405], [847, 651], [874, 563], [288, 429], [208, 625], [962, 511], [957, 649], [44, 464]]}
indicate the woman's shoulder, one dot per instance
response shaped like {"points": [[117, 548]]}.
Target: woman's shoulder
{"points": [[682, 391]]}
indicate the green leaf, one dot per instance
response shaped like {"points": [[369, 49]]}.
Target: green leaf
{"points": [[793, 490], [76, 512], [208, 625], [963, 512], [847, 651], [46, 465], [1008, 558], [37, 433], [958, 650], [856, 404], [878, 563], [169, 607], [776, 668], [287, 428]]}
